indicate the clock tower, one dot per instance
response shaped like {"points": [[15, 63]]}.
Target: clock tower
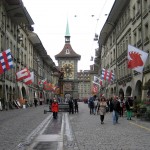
{"points": [[68, 62]]}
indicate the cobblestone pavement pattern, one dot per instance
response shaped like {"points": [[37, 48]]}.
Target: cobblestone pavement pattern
{"points": [[17, 124], [91, 135], [87, 132]]}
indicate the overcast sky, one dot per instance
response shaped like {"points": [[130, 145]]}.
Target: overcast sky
{"points": [[85, 18]]}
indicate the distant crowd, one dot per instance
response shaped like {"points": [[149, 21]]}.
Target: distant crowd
{"points": [[116, 105]]}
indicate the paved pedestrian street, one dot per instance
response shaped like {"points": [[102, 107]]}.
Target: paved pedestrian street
{"points": [[89, 134], [31, 129]]}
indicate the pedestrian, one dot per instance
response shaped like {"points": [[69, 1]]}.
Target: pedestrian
{"points": [[102, 109], [109, 103], [129, 107], [95, 105], [35, 102], [54, 108], [71, 107], [91, 104], [76, 105], [122, 103], [116, 109]]}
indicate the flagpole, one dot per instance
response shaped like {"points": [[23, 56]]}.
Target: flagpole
{"points": [[142, 38]]}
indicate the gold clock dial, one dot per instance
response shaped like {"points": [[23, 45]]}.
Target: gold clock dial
{"points": [[68, 70]]}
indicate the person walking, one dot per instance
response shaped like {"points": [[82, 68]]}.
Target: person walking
{"points": [[129, 107], [109, 103], [54, 108], [76, 105], [95, 105], [102, 109], [71, 107], [116, 109], [91, 104], [35, 102], [121, 106]]}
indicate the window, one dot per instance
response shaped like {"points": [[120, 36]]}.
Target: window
{"points": [[133, 11], [67, 51], [139, 33], [145, 4], [146, 30], [134, 38]]}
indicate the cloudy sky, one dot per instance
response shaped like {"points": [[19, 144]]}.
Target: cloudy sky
{"points": [[85, 18]]}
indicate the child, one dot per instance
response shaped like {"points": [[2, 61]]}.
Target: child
{"points": [[54, 108]]}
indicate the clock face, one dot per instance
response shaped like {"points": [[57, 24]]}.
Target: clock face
{"points": [[68, 86], [68, 70]]}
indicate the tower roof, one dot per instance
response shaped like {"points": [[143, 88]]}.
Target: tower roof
{"points": [[67, 30], [67, 52]]}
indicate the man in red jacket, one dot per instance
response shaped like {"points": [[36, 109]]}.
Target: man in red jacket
{"points": [[54, 108]]}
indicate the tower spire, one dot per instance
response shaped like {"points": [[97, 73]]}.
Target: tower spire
{"points": [[67, 35]]}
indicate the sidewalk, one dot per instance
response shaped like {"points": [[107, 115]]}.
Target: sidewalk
{"points": [[91, 135]]}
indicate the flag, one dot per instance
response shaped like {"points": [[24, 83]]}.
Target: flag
{"points": [[136, 58], [97, 81], [94, 89], [22, 74], [47, 86], [107, 75], [6, 61], [42, 82], [30, 79]]}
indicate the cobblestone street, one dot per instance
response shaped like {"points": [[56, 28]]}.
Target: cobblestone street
{"points": [[91, 135], [22, 130]]}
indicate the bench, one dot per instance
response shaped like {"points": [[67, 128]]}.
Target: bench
{"points": [[63, 107]]}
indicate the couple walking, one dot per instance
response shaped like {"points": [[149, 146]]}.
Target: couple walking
{"points": [[103, 106]]}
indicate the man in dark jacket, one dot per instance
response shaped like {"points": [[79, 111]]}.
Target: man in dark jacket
{"points": [[116, 109], [76, 105], [71, 108], [91, 104]]}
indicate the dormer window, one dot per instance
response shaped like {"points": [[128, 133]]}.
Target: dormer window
{"points": [[67, 51]]}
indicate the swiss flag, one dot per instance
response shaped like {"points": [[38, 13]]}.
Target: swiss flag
{"points": [[136, 58], [30, 79], [22, 74]]}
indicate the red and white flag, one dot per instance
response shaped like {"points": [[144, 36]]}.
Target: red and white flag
{"points": [[136, 58], [107, 75], [30, 79], [95, 88], [6, 61], [22, 74], [42, 82], [97, 81]]}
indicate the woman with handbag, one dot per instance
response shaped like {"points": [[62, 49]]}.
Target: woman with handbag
{"points": [[129, 108], [102, 109]]}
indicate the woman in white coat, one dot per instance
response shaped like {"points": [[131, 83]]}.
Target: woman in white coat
{"points": [[102, 109]]}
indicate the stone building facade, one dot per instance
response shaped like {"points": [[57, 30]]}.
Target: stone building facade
{"points": [[127, 24], [16, 33]]}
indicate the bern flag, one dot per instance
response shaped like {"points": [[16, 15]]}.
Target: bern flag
{"points": [[30, 79], [6, 61], [22, 74], [136, 58]]}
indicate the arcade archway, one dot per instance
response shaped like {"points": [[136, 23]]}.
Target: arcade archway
{"points": [[128, 91], [121, 93], [138, 89]]}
